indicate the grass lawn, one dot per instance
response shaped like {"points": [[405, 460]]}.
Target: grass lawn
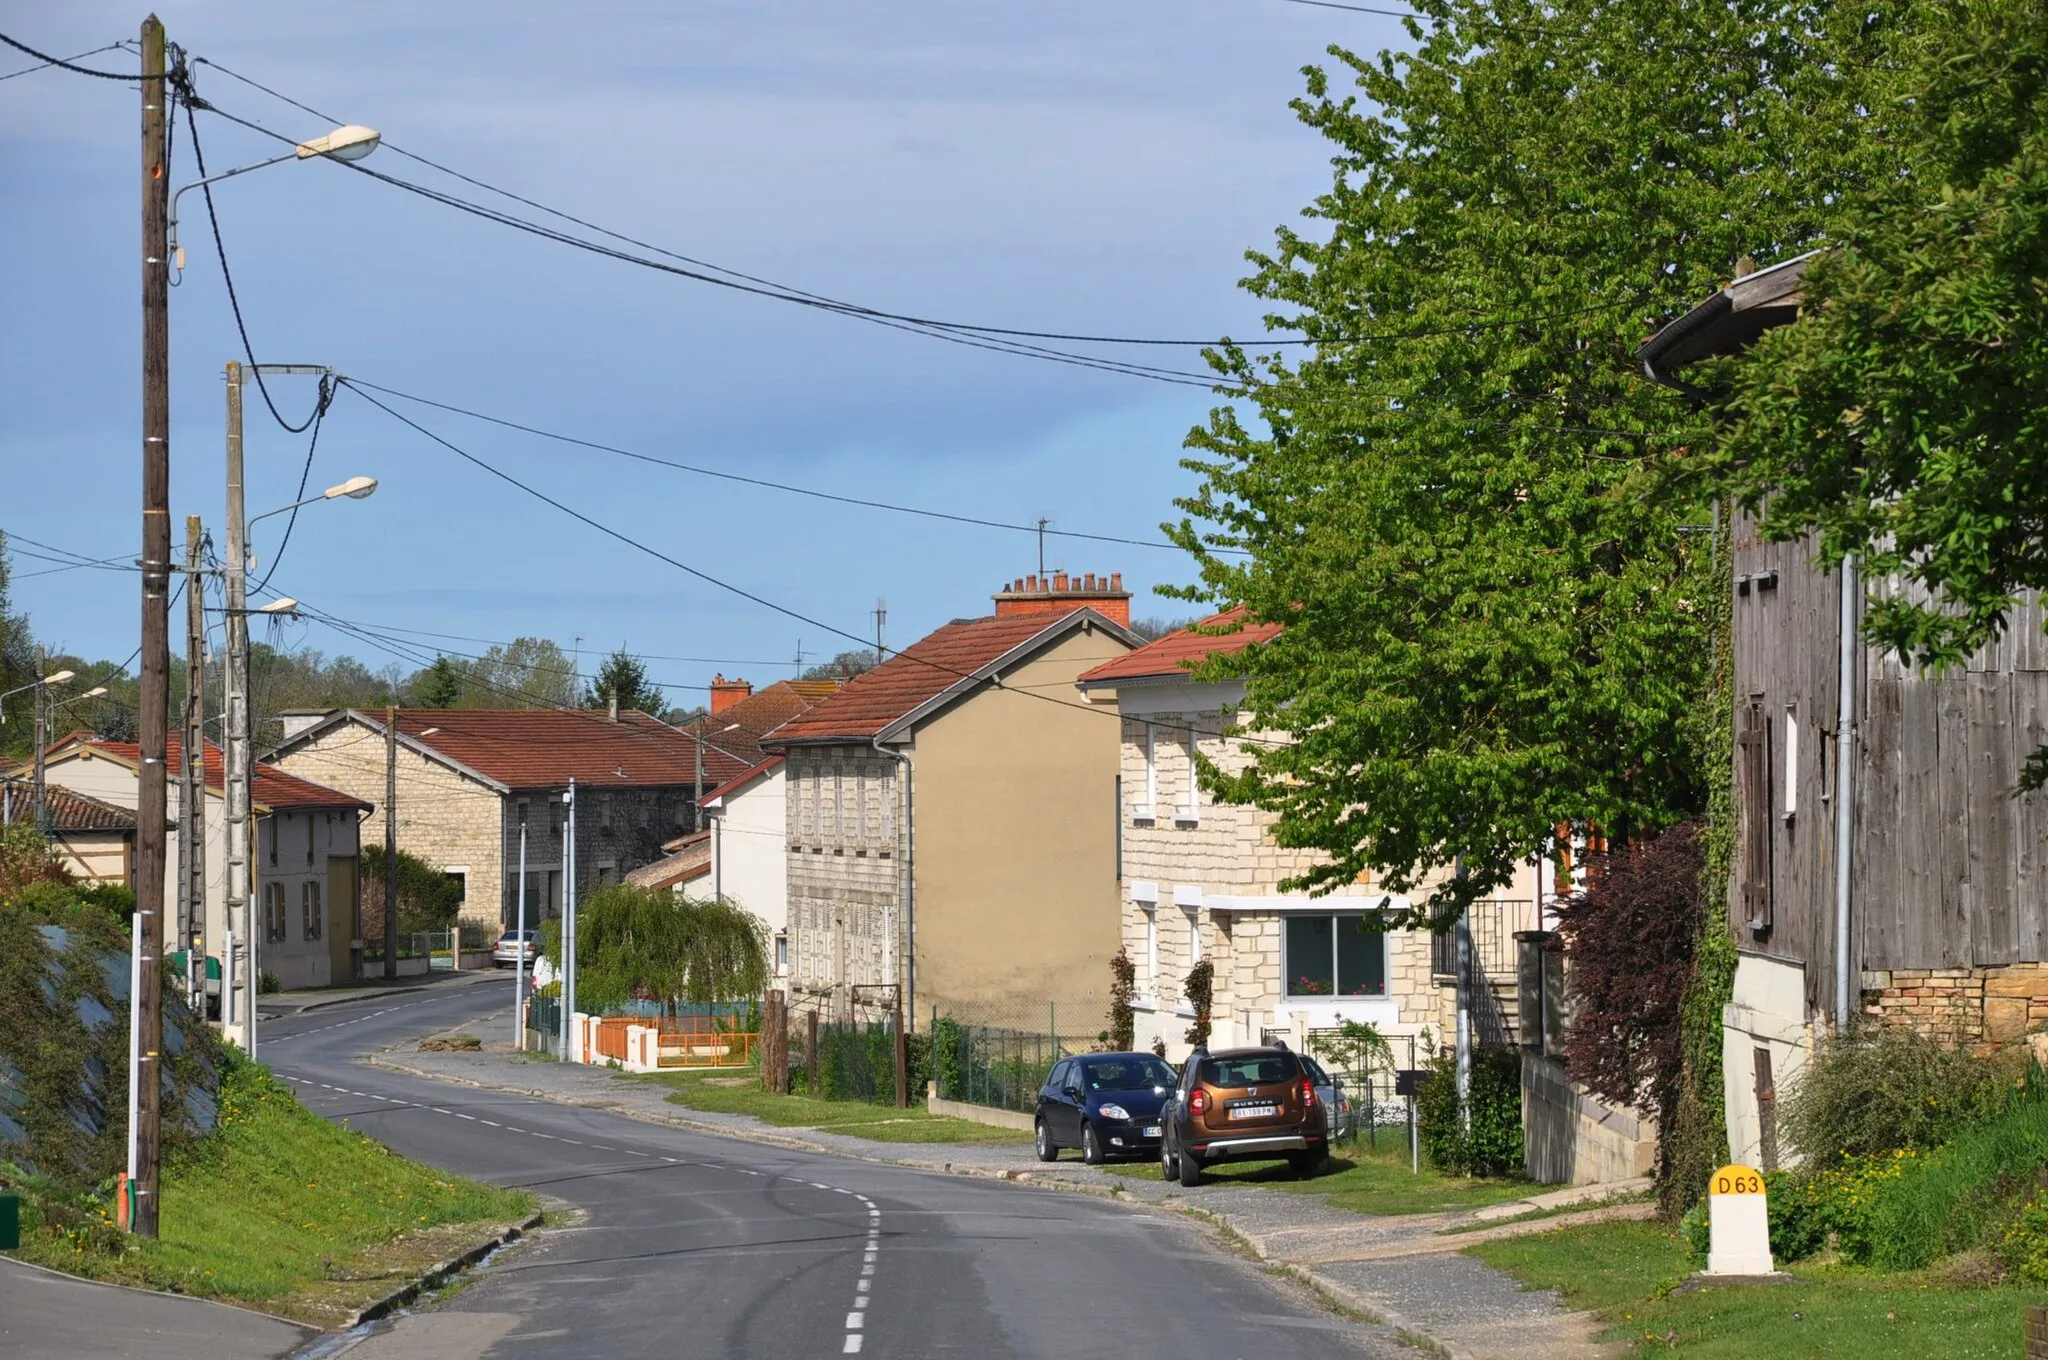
{"points": [[1623, 1272], [280, 1209], [1364, 1181], [734, 1093]]}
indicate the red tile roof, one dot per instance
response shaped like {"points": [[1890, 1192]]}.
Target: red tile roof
{"points": [[268, 785], [739, 727], [742, 779], [534, 748], [920, 673], [689, 859], [74, 811], [1177, 652]]}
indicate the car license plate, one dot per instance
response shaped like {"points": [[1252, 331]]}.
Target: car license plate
{"points": [[1151, 1131], [1254, 1111]]}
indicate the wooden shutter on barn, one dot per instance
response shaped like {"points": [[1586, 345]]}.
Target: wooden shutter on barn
{"points": [[1753, 781]]}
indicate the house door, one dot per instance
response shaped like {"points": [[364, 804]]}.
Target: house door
{"points": [[344, 922]]}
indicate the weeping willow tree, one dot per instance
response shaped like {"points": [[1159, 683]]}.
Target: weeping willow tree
{"points": [[649, 944]]}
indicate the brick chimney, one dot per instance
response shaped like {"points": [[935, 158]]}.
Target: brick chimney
{"points": [[1060, 593], [725, 693]]}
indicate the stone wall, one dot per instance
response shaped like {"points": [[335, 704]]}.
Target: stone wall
{"points": [[445, 818], [1570, 1137], [845, 876], [1987, 1008]]}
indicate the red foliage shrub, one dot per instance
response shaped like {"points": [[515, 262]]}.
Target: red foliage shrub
{"points": [[1630, 942]]}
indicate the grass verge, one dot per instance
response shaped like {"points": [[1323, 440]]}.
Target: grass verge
{"points": [[728, 1093], [1362, 1181], [1624, 1272], [278, 1209]]}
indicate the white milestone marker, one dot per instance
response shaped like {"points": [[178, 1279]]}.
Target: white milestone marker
{"points": [[1740, 1223]]}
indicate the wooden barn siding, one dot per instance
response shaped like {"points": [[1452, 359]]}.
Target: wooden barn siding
{"points": [[1951, 871]]}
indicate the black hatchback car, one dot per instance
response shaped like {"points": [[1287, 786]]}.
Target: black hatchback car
{"points": [[1106, 1104]]}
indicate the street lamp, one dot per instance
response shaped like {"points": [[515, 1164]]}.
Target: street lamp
{"points": [[41, 687], [239, 1003], [349, 143]]}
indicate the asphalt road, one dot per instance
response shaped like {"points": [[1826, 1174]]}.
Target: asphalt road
{"points": [[692, 1245]]}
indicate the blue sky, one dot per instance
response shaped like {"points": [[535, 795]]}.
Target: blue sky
{"points": [[1059, 166]]}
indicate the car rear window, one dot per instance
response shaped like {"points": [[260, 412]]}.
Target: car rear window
{"points": [[1263, 1069]]}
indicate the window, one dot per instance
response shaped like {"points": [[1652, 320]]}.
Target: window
{"points": [[309, 911], [861, 774], [309, 840], [781, 951], [1152, 951], [1335, 956], [838, 803], [1194, 935], [812, 791], [1791, 761], [889, 805], [273, 911], [1151, 772], [270, 830], [459, 880], [1190, 809]]}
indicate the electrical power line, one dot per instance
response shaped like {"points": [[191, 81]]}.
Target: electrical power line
{"points": [[66, 64], [360, 383]]}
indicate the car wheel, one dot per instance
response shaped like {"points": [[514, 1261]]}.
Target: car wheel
{"points": [[1190, 1170], [1048, 1150], [1304, 1164], [1169, 1169], [1091, 1145]]}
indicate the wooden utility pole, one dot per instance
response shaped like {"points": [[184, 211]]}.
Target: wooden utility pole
{"points": [[391, 843], [152, 802], [774, 1044], [192, 782], [811, 1053]]}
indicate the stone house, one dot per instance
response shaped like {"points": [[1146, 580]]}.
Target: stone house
{"points": [[1947, 923], [471, 780], [948, 818], [94, 840], [1200, 880], [305, 845]]}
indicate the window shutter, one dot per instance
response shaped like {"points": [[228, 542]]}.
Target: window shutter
{"points": [[1753, 772]]}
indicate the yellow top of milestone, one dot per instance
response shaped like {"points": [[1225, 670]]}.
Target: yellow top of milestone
{"points": [[1736, 1179]]}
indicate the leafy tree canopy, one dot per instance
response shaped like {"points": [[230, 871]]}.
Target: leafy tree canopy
{"points": [[623, 677], [649, 943], [844, 666], [1490, 629], [1903, 416], [438, 686], [529, 672]]}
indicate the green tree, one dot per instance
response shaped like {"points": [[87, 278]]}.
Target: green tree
{"points": [[650, 943], [438, 686], [529, 672], [623, 678], [1903, 416], [844, 666], [428, 899], [1490, 628]]}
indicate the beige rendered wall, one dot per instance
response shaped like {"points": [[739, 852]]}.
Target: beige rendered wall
{"points": [[445, 818], [1015, 861]]}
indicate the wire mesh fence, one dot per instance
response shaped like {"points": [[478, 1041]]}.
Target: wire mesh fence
{"points": [[1369, 1068]]}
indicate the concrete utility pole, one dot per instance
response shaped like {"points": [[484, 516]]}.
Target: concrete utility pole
{"points": [[569, 923], [391, 843], [152, 801], [519, 955], [42, 739], [192, 781], [241, 915]]}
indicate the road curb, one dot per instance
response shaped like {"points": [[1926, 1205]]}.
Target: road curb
{"points": [[361, 997], [439, 1274], [1388, 1317]]}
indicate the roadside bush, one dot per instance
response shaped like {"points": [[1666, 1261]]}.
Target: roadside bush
{"points": [[2024, 1247], [1884, 1088], [1122, 1034], [1492, 1146], [1956, 1197]]}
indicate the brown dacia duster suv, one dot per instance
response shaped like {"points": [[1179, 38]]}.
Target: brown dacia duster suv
{"points": [[1242, 1104]]}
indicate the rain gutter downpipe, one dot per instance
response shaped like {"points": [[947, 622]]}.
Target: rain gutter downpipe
{"points": [[1845, 789]]}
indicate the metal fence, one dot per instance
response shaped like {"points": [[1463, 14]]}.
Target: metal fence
{"points": [[1493, 925], [987, 1065]]}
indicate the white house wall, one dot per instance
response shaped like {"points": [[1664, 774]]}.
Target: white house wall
{"points": [[750, 849]]}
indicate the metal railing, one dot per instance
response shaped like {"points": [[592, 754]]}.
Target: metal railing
{"points": [[1493, 924]]}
